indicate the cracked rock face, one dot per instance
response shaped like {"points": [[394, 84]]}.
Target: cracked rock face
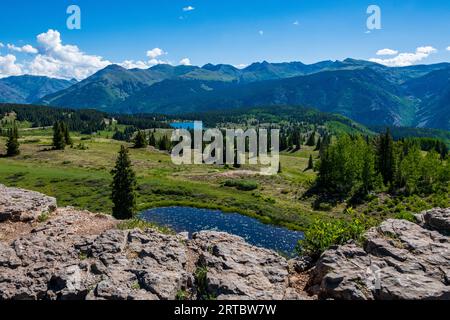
{"points": [[237, 270], [400, 260], [23, 205]]}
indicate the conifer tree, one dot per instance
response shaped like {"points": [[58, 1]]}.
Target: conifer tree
{"points": [[59, 142], [65, 130], [164, 143], [311, 139], [318, 145], [296, 139], [310, 163], [12, 144], [140, 140], [152, 140], [123, 187], [386, 163]]}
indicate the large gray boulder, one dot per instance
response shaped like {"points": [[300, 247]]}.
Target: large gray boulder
{"points": [[237, 270], [399, 260], [23, 205]]}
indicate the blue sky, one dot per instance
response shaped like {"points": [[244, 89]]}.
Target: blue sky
{"points": [[231, 31]]}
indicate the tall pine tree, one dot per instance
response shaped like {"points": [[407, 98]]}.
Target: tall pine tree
{"points": [[66, 134], [123, 187], [310, 163], [140, 140], [311, 139], [386, 163], [59, 142], [12, 144], [152, 140]]}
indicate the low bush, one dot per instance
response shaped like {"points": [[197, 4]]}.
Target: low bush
{"points": [[241, 184], [323, 234]]}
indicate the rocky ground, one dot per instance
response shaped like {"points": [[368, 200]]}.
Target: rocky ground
{"points": [[61, 253]]}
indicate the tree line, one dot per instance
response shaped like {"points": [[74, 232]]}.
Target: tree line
{"points": [[353, 166]]}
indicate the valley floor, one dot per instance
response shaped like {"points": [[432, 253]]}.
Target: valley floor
{"points": [[80, 177]]}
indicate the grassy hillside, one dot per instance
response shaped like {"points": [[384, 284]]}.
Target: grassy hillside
{"points": [[80, 177]]}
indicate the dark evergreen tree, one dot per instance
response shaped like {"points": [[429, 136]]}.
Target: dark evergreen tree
{"points": [[318, 145], [164, 143], [59, 142], [310, 163], [152, 140], [12, 143], [65, 130], [386, 164], [296, 139], [311, 139], [123, 187], [140, 140]]}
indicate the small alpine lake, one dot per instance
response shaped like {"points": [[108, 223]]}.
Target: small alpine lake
{"points": [[191, 220]]}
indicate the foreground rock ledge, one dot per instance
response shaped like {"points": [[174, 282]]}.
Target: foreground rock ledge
{"points": [[80, 255], [400, 260]]}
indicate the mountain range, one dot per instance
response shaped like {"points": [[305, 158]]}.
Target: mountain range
{"points": [[367, 92], [28, 89]]}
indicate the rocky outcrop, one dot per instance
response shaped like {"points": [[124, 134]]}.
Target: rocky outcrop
{"points": [[23, 205], [237, 270], [80, 255], [399, 260]]}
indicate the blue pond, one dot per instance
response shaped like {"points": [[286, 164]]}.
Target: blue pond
{"points": [[182, 125], [182, 219]]}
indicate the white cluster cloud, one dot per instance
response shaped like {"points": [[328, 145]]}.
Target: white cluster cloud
{"points": [[25, 49], [387, 52], [9, 67], [154, 54], [52, 58], [448, 48], [188, 8], [185, 62], [406, 59], [296, 23], [131, 64]]}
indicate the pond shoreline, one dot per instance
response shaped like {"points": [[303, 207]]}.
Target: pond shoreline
{"points": [[192, 220]]}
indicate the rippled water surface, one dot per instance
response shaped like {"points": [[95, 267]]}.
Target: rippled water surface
{"points": [[182, 219]]}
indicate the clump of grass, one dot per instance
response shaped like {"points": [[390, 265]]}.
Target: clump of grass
{"points": [[137, 223], [135, 286], [82, 256], [241, 184], [43, 217], [182, 295]]}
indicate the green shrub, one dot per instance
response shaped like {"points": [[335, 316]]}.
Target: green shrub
{"points": [[323, 234], [201, 279], [404, 215], [244, 185], [182, 295], [43, 217]]}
